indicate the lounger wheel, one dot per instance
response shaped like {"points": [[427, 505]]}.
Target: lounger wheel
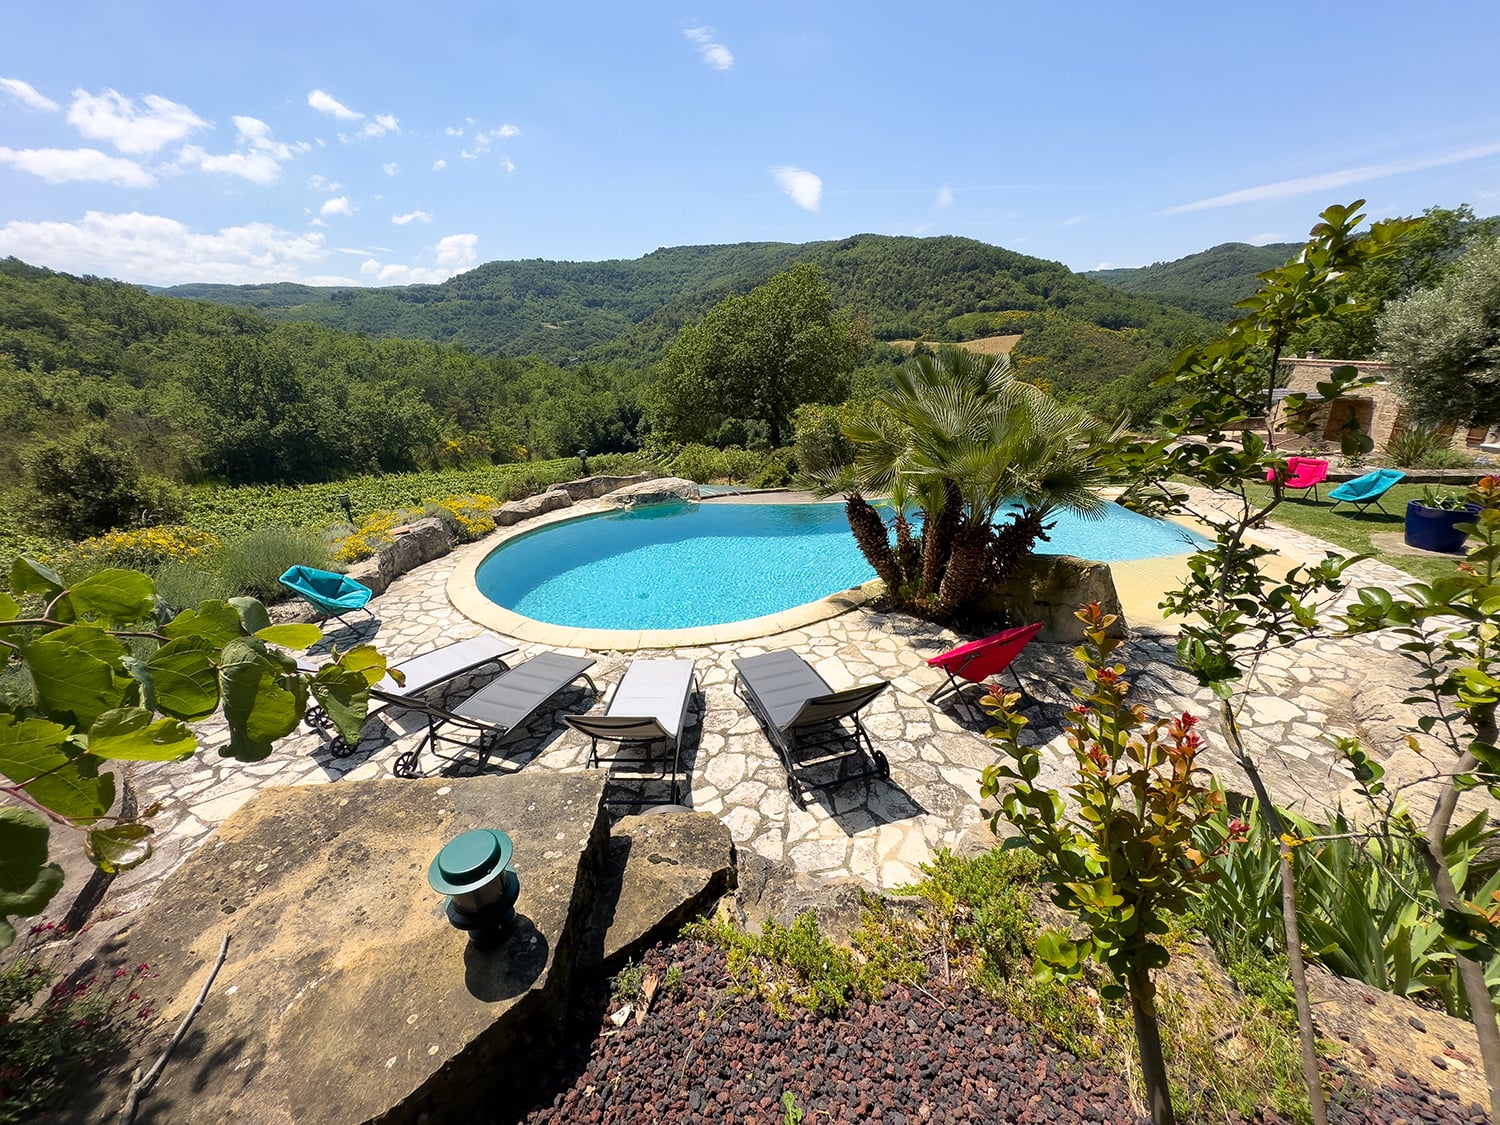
{"points": [[406, 765], [882, 765], [339, 746], [794, 787]]}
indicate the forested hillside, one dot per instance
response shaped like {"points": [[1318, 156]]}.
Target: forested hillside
{"points": [[633, 310], [1207, 283], [193, 389]]}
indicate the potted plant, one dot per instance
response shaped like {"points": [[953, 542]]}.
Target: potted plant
{"points": [[1432, 522]]}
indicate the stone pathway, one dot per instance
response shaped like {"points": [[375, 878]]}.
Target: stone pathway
{"points": [[879, 832]]}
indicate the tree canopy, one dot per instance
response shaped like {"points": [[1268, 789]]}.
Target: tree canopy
{"points": [[1444, 343], [758, 357]]}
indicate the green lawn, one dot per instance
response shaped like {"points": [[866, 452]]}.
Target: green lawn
{"points": [[1351, 529]]}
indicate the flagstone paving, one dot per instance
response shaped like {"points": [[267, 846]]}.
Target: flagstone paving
{"points": [[879, 832]]}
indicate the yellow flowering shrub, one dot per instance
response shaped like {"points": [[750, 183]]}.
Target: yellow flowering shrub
{"points": [[473, 512], [468, 513], [142, 548]]}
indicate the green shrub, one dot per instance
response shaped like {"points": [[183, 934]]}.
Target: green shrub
{"points": [[777, 470], [790, 965], [819, 439], [701, 463], [251, 563], [50, 1043], [741, 465], [87, 484], [184, 585]]}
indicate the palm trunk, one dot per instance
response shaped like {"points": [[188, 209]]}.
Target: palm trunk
{"points": [[964, 579], [908, 550], [938, 539], [874, 544]]}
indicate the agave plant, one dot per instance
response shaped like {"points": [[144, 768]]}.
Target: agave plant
{"points": [[958, 439]]}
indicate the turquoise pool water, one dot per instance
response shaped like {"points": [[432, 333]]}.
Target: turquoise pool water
{"points": [[673, 566]]}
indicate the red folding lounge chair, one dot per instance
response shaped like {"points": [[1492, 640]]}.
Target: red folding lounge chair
{"points": [[982, 660], [1302, 472]]}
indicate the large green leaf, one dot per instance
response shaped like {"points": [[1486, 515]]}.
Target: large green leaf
{"points": [[369, 662], [27, 576], [184, 677], [9, 610], [113, 597], [36, 754], [345, 694], [77, 672], [129, 733], [253, 615], [215, 621], [27, 880], [262, 701], [118, 847], [294, 635]]}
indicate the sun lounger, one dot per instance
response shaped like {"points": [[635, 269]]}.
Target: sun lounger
{"points": [[982, 660], [649, 706], [496, 710], [419, 675], [802, 718]]}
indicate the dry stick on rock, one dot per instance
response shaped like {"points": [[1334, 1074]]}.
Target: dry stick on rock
{"points": [[141, 1086]]}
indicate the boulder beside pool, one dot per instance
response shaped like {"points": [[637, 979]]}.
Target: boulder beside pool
{"points": [[1051, 589], [664, 490]]}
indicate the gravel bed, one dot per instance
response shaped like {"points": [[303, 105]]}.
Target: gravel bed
{"points": [[704, 1055]]}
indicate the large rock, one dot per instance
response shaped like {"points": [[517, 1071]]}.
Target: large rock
{"points": [[518, 510], [660, 491], [432, 538], [368, 573], [591, 488], [663, 869], [399, 556], [1051, 589], [347, 996]]}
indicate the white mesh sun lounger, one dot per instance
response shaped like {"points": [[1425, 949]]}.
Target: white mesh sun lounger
{"points": [[503, 705], [421, 674], [649, 706], [802, 717]]}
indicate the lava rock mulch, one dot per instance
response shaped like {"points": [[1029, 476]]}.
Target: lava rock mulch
{"points": [[704, 1055]]}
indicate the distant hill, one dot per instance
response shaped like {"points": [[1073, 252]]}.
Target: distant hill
{"points": [[631, 310], [1207, 283]]}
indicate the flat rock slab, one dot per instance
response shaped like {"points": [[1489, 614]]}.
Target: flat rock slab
{"points": [[663, 870], [347, 996]]}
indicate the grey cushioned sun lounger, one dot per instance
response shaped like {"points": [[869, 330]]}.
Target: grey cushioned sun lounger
{"points": [[505, 703], [802, 718], [649, 706], [421, 673]]}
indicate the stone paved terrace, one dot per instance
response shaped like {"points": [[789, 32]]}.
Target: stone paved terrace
{"points": [[874, 831]]}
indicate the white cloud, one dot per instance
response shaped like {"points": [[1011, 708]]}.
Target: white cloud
{"points": [[69, 165], [454, 131], [412, 217], [714, 54], [1327, 181], [318, 182], [1072, 220], [259, 159], [439, 165], [944, 197], [506, 131], [27, 95], [457, 251], [390, 169], [1263, 239], [805, 188], [380, 125], [326, 103], [467, 155], [338, 205], [155, 250], [112, 117], [507, 164]]}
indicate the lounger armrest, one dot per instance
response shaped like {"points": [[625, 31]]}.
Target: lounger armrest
{"points": [[836, 705]]}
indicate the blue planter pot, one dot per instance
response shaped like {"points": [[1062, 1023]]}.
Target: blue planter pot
{"points": [[1434, 529]]}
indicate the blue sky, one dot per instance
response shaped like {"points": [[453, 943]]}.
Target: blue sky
{"points": [[379, 143]]}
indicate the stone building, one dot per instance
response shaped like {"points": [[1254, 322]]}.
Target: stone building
{"points": [[1378, 411]]}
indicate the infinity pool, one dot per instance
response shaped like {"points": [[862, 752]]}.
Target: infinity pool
{"points": [[674, 566]]}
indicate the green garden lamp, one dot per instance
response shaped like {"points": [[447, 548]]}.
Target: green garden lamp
{"points": [[473, 870], [342, 500], [583, 459]]}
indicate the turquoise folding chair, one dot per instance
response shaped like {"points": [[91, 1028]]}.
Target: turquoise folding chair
{"points": [[331, 594], [1366, 490]]}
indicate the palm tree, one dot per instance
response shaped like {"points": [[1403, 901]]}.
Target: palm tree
{"points": [[958, 439]]}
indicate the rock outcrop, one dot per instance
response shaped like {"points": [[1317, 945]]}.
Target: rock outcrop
{"points": [[591, 488], [1052, 588], [663, 490], [518, 510]]}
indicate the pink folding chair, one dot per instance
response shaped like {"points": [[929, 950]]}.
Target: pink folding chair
{"points": [[983, 659], [1302, 472]]}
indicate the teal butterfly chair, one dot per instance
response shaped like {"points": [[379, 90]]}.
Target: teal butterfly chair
{"points": [[1366, 490], [331, 594]]}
